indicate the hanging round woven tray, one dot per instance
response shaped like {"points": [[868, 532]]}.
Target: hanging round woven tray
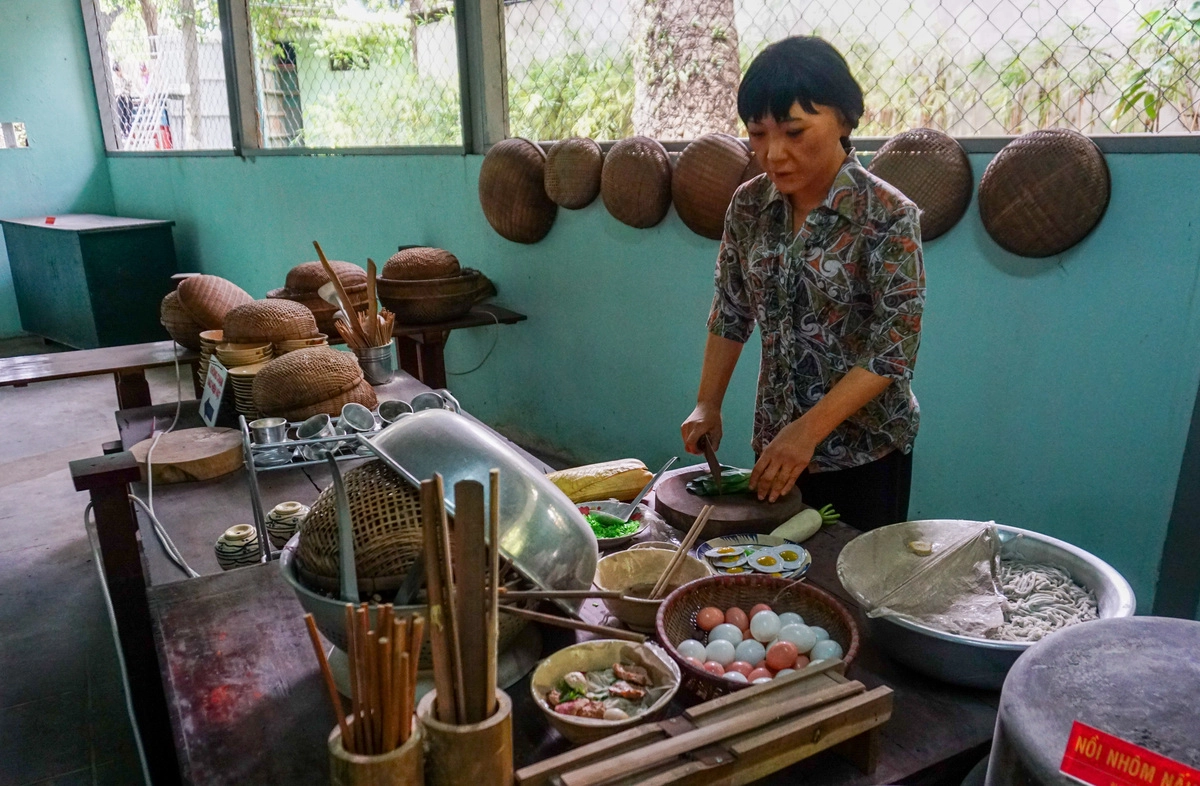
{"points": [[635, 182], [512, 191], [707, 173], [1044, 192], [932, 170], [179, 323], [303, 378], [573, 172], [269, 320], [311, 276], [420, 263], [753, 169], [207, 299]]}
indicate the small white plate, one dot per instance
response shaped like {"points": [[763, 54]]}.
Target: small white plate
{"points": [[751, 543]]}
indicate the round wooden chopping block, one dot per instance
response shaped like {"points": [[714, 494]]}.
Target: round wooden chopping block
{"points": [[191, 454], [734, 513]]}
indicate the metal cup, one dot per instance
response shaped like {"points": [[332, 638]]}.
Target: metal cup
{"points": [[435, 399], [356, 417], [268, 431], [378, 364], [391, 411]]}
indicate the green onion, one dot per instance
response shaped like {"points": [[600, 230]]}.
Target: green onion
{"points": [[607, 526]]}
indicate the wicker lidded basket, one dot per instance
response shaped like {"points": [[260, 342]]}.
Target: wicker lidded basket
{"points": [[420, 263], [269, 321], [512, 191], [1044, 192], [677, 618], [305, 279], [207, 299], [435, 300], [179, 323], [573, 169], [310, 381], [707, 173], [635, 182], [932, 169]]}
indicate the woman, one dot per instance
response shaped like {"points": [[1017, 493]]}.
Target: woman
{"points": [[826, 259]]}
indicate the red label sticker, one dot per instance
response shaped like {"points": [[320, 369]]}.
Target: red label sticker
{"points": [[1100, 759]]}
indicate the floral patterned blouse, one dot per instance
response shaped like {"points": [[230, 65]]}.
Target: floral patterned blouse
{"points": [[846, 290]]}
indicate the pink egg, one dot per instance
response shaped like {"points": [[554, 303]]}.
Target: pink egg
{"points": [[695, 662], [714, 668], [758, 608], [735, 616], [782, 655], [709, 618], [801, 662], [759, 673], [740, 666]]}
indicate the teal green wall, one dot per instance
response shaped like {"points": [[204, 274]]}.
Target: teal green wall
{"points": [[1056, 394], [46, 83]]}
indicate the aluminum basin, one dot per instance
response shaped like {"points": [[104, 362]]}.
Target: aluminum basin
{"points": [[984, 663]]}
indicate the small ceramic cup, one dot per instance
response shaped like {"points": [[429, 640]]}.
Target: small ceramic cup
{"points": [[238, 546], [283, 521]]}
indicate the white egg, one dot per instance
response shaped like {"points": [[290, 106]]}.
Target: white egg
{"points": [[719, 650], [784, 673], [820, 632], [800, 635], [751, 651], [726, 631], [826, 650], [690, 648], [790, 618], [735, 676], [764, 626], [614, 714], [761, 680]]}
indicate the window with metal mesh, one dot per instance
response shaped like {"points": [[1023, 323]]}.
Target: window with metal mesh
{"points": [[670, 68], [356, 73], [165, 70]]}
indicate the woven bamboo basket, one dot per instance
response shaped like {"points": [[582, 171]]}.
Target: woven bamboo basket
{"points": [[573, 168], [469, 280], [305, 378], [512, 191], [635, 182], [430, 309], [753, 168], [932, 169], [708, 172], [209, 298], [420, 263], [311, 276], [1044, 192], [677, 618], [322, 310], [179, 323], [269, 321], [362, 393]]}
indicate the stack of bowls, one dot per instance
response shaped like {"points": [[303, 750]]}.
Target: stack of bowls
{"points": [[242, 379], [209, 339], [285, 346], [233, 355]]}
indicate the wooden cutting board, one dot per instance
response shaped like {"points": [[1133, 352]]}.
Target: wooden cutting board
{"points": [[734, 513], [191, 454]]}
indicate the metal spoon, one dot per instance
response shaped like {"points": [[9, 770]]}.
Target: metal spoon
{"points": [[646, 490]]}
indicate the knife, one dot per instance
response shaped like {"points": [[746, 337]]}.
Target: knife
{"points": [[646, 489], [713, 465]]}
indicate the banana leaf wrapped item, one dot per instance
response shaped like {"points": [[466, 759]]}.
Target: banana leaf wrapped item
{"points": [[733, 481]]}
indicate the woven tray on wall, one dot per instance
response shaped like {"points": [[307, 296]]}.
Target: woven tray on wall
{"points": [[1044, 192], [573, 169], [753, 168], [512, 191], [932, 170], [635, 182], [709, 170], [207, 299]]}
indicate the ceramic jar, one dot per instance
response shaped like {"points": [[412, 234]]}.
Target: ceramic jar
{"points": [[237, 547], [283, 521]]}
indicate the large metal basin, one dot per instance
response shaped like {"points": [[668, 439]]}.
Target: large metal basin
{"points": [[983, 663]]}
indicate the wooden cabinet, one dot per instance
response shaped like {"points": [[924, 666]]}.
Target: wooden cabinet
{"points": [[91, 281]]}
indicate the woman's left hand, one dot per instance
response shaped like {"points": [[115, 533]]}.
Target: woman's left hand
{"points": [[781, 462]]}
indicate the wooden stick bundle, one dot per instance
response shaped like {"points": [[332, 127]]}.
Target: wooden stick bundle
{"points": [[360, 331], [383, 670], [677, 560]]}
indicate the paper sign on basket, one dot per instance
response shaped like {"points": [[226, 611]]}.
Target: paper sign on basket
{"points": [[1100, 759], [214, 389]]}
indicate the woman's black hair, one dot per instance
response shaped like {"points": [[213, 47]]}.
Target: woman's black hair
{"points": [[803, 69]]}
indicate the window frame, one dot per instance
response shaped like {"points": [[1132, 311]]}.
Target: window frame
{"points": [[483, 87]]}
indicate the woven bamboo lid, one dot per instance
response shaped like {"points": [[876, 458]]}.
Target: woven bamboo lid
{"points": [[707, 173], [420, 263], [1044, 192], [573, 172], [311, 276], [753, 169], [208, 298], [636, 182], [362, 393], [268, 321], [304, 377], [512, 191], [932, 170], [178, 322]]}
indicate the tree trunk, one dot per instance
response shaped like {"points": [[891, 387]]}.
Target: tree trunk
{"points": [[191, 70], [686, 68], [150, 17]]}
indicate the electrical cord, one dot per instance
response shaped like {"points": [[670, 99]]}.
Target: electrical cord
{"points": [[479, 365]]}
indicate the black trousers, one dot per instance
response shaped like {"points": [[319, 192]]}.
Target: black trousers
{"points": [[870, 496]]}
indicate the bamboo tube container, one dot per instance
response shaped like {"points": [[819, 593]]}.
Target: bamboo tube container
{"points": [[405, 764], [476, 754]]}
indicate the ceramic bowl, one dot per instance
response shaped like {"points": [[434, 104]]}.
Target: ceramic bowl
{"points": [[635, 572], [283, 521], [644, 517], [238, 546]]}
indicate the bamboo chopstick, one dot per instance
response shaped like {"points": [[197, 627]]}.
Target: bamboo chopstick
{"points": [[352, 317], [493, 599], [443, 669], [355, 686], [450, 604], [684, 547], [563, 622], [336, 700], [507, 595], [372, 306]]}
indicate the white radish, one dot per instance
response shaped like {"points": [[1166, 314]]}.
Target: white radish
{"points": [[800, 527]]}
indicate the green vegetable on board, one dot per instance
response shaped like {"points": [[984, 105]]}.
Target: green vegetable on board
{"points": [[733, 481]]}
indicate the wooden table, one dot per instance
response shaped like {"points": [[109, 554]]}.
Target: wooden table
{"points": [[422, 348], [246, 703], [127, 364]]}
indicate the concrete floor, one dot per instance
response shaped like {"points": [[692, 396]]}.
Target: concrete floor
{"points": [[63, 715]]}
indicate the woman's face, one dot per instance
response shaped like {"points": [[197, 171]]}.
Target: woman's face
{"points": [[803, 153]]}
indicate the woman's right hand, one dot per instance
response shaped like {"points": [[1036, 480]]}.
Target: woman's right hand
{"points": [[705, 419]]}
